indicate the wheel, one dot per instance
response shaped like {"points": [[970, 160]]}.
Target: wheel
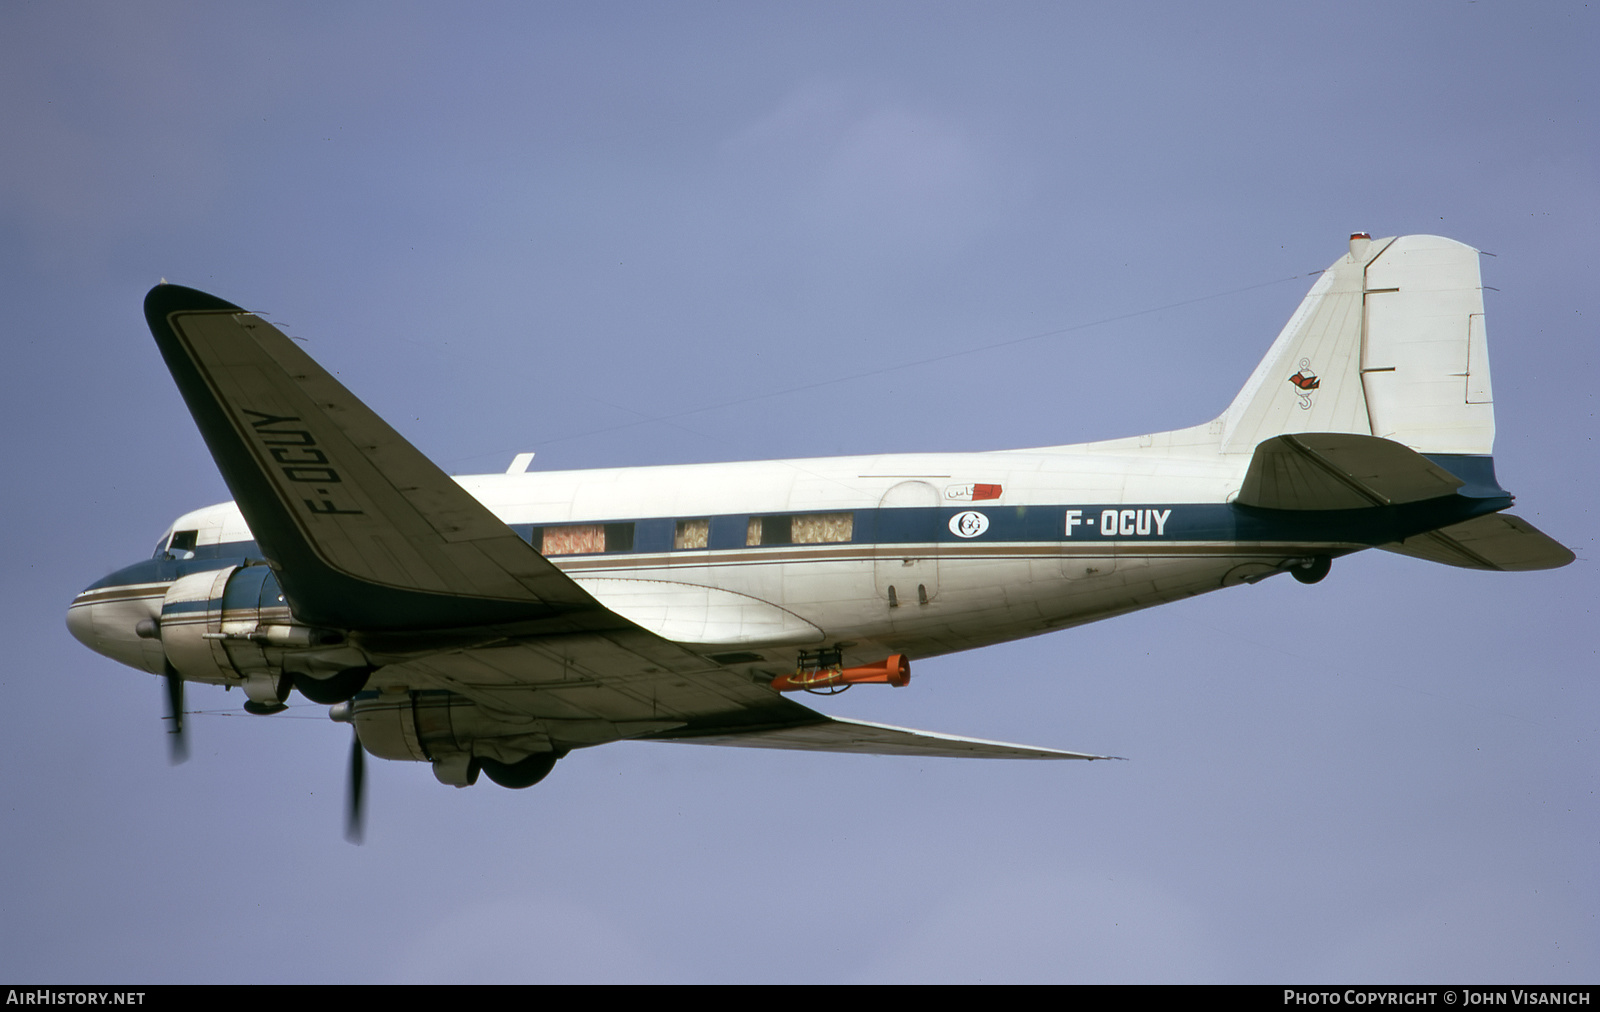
{"points": [[1313, 571], [338, 689], [523, 773]]}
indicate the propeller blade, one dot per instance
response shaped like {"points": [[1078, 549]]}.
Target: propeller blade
{"points": [[177, 741], [355, 810]]}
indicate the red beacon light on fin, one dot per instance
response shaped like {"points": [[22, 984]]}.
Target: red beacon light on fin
{"points": [[894, 670]]}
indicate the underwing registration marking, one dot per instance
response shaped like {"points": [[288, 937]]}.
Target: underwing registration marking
{"points": [[296, 454]]}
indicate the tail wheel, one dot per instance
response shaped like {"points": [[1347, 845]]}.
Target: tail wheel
{"points": [[1313, 570]]}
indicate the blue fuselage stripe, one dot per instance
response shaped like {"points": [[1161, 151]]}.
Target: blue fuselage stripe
{"points": [[1111, 524]]}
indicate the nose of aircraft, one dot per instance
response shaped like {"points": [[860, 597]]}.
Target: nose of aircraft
{"points": [[106, 618], [80, 622]]}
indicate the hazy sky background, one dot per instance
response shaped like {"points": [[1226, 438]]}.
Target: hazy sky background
{"points": [[655, 233]]}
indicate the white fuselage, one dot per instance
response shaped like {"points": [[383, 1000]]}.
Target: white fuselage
{"points": [[920, 554]]}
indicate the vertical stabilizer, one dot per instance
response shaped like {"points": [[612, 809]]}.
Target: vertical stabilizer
{"points": [[1390, 342], [1310, 380]]}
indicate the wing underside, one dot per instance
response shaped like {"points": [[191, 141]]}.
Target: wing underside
{"points": [[836, 734], [572, 691]]}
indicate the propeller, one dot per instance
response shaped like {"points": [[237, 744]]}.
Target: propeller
{"points": [[355, 814], [178, 742]]}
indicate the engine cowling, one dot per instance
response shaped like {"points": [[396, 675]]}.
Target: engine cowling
{"points": [[231, 626], [450, 731]]}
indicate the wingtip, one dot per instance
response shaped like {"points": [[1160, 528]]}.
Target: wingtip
{"points": [[167, 298]]}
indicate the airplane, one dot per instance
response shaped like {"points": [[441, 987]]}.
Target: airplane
{"points": [[495, 623]]}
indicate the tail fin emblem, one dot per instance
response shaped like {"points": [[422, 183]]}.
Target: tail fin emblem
{"points": [[1305, 381]]}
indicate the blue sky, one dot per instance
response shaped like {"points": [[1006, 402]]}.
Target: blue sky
{"points": [[625, 234]]}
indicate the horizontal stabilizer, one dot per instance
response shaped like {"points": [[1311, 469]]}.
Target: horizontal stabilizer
{"points": [[1338, 471], [1499, 541], [835, 734]]}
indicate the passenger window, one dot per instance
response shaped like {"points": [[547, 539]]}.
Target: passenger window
{"points": [[823, 528], [804, 529], [580, 539], [619, 537], [767, 531], [574, 539], [691, 534]]}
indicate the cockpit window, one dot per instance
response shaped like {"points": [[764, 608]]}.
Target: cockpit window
{"points": [[180, 544]]}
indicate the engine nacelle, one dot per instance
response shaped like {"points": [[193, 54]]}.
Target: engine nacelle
{"points": [[459, 737], [232, 626]]}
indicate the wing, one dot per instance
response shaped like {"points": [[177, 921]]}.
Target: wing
{"points": [[364, 531], [588, 688], [582, 690], [368, 535]]}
